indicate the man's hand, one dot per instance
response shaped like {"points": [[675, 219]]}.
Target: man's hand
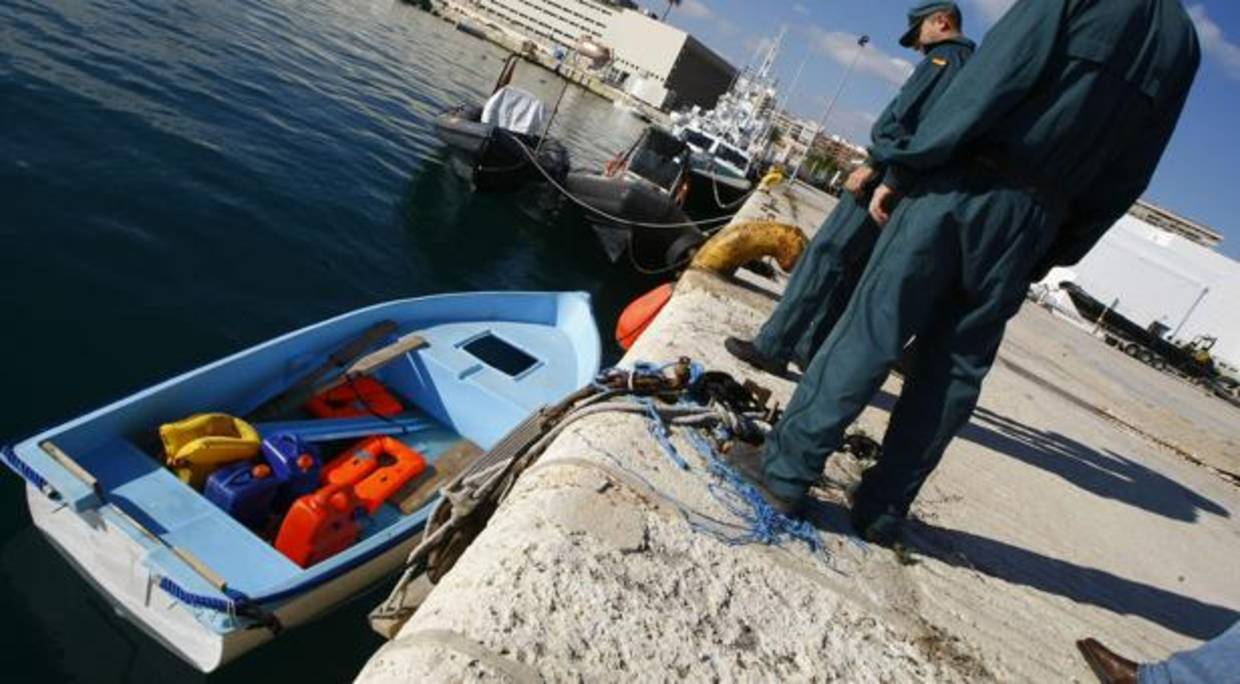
{"points": [[861, 177], [883, 203]]}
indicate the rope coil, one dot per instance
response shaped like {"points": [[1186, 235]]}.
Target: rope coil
{"points": [[636, 393]]}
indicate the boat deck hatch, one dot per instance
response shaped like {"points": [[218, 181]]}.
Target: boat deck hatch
{"points": [[500, 355]]}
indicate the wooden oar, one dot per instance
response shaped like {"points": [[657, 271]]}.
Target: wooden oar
{"points": [[301, 391], [375, 360]]}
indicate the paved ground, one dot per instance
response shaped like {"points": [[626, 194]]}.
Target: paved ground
{"points": [[1070, 506]]}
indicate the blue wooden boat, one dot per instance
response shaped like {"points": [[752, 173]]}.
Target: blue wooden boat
{"points": [[206, 586]]}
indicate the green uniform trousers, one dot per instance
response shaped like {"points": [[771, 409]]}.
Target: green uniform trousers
{"points": [[951, 267], [821, 284]]}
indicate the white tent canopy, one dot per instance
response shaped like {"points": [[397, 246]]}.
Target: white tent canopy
{"points": [[1158, 276], [515, 110]]}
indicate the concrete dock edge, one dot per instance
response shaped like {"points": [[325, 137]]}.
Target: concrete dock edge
{"points": [[1046, 523]]}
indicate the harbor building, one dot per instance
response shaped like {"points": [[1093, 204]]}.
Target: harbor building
{"points": [[666, 67], [844, 154], [795, 140], [1172, 222], [561, 22], [654, 62]]}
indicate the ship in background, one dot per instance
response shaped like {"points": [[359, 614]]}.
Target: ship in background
{"points": [[730, 141]]}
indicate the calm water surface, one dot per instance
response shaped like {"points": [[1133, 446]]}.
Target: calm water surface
{"points": [[179, 180]]}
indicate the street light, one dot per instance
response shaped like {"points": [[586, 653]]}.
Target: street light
{"points": [[822, 123]]}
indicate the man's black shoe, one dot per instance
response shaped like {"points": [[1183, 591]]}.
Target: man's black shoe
{"points": [[884, 529], [747, 352], [746, 460]]}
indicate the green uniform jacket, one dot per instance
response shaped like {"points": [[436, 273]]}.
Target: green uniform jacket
{"points": [[1082, 96], [899, 121]]}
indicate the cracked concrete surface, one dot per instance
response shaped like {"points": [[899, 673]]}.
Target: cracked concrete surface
{"points": [[1046, 522]]}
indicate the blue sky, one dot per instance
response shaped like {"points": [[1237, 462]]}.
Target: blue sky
{"points": [[1200, 173]]}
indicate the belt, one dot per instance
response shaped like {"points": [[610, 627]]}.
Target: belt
{"points": [[1047, 194]]}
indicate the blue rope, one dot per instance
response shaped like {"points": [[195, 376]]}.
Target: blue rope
{"points": [[658, 430], [189, 598], [766, 525], [23, 469]]}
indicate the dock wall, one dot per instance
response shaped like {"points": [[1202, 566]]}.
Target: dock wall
{"points": [[1046, 523]]}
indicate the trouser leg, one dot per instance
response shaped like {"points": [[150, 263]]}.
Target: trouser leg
{"points": [[954, 353], [1217, 660], [824, 264], [837, 292], [914, 263], [940, 392]]}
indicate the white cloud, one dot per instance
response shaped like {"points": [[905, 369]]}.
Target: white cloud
{"points": [[799, 8], [1214, 43], [842, 47], [694, 9], [992, 9]]}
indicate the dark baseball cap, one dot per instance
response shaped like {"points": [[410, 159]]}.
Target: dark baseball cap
{"points": [[920, 12]]}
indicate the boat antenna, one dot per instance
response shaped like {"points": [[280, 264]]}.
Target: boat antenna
{"points": [[505, 74], [555, 110]]}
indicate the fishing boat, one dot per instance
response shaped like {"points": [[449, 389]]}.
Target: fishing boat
{"points": [[722, 174], [635, 206], [502, 145], [455, 374], [729, 141]]}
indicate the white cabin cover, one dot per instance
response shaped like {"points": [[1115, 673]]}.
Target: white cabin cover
{"points": [[515, 110]]}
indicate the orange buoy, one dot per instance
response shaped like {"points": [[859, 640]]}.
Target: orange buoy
{"points": [[640, 313]]}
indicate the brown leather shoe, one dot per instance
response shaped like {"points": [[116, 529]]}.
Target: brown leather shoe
{"points": [[1107, 666], [746, 460]]}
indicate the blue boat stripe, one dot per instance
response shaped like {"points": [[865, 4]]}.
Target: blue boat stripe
{"points": [[23, 469]]}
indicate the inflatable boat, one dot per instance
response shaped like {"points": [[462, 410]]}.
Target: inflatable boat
{"points": [[500, 146], [635, 206]]}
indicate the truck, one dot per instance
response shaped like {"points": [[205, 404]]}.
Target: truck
{"points": [[1191, 360]]}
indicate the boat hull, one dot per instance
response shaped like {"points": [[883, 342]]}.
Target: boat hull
{"points": [[110, 561], [650, 247], [495, 160], [713, 195]]}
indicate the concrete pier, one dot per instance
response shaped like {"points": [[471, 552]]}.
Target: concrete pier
{"points": [[1088, 496]]}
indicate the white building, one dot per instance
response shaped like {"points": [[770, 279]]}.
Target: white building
{"points": [[655, 62], [796, 138], [1160, 275], [554, 21]]}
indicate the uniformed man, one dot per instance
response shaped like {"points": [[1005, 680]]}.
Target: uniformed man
{"points": [[1042, 142], [827, 274]]}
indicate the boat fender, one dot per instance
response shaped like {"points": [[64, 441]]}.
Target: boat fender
{"points": [[741, 243], [614, 166], [198, 445], [640, 313], [772, 178], [356, 398], [682, 192]]}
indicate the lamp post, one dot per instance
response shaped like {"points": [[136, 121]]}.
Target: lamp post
{"points": [[822, 123]]}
